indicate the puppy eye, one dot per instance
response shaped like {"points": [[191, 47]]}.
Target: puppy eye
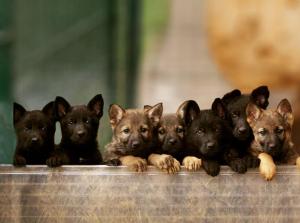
{"points": [[126, 131], [279, 130], [234, 115], [200, 131], [143, 129], [161, 131], [262, 132], [179, 130], [70, 122], [87, 121], [43, 128], [27, 128]]}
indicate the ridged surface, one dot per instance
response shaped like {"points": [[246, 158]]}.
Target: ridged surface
{"points": [[115, 194]]}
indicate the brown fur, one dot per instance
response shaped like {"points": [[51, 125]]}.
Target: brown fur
{"points": [[133, 132], [272, 131]]}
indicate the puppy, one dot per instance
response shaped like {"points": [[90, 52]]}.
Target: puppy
{"points": [[236, 103], [79, 127], [272, 131], [35, 134], [133, 135], [207, 137], [169, 149]]}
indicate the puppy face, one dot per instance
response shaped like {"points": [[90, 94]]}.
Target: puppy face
{"points": [[207, 130], [79, 124], [270, 128], [236, 104], [34, 129], [134, 128]]}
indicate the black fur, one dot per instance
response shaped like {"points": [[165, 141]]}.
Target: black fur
{"points": [[35, 134], [79, 127]]}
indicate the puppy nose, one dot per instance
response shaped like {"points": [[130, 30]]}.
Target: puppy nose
{"points": [[34, 139], [242, 130], [80, 133], [210, 145], [172, 141], [135, 144]]}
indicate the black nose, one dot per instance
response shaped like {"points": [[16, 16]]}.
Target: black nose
{"points": [[34, 139], [135, 144], [242, 130], [172, 141], [210, 145], [80, 133]]}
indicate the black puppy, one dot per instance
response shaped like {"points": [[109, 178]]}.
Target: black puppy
{"points": [[236, 104], [35, 134], [79, 127], [208, 136]]}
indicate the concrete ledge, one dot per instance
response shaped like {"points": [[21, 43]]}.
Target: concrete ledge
{"points": [[115, 194]]}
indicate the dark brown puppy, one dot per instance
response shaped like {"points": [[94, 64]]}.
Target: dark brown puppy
{"points": [[35, 134], [169, 149], [272, 131], [236, 104], [133, 135], [79, 127]]}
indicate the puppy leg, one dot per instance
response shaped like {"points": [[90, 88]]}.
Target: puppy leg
{"points": [[19, 160], [134, 163], [267, 166], [192, 163], [164, 162]]}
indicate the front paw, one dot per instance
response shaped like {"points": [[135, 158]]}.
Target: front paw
{"points": [[54, 161], [252, 161], [192, 163], [238, 165], [298, 162], [19, 161], [211, 167], [166, 163], [134, 163], [267, 166]]}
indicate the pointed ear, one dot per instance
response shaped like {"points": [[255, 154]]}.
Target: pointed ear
{"points": [[188, 110], [155, 113], [219, 108], [62, 107], [260, 96], [96, 105], [284, 108], [252, 112], [116, 113], [147, 107], [231, 95], [49, 110], [19, 112]]}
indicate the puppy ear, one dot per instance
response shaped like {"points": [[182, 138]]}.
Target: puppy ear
{"points": [[231, 95], [147, 107], [19, 112], [219, 108], [284, 108], [260, 96], [155, 113], [116, 113], [188, 111], [48, 110], [61, 107], [252, 112], [96, 105]]}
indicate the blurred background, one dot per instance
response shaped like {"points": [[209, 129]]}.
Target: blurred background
{"points": [[138, 52]]}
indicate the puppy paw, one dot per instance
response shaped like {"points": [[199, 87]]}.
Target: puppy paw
{"points": [[192, 163], [267, 167], [252, 162], [164, 162], [134, 163], [54, 161], [298, 162], [211, 167], [238, 165], [19, 161]]}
